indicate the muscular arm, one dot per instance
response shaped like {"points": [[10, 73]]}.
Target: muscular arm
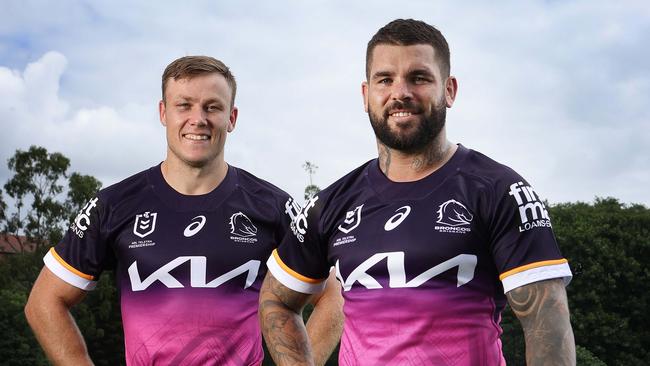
{"points": [[325, 324], [282, 326], [48, 314], [543, 311]]}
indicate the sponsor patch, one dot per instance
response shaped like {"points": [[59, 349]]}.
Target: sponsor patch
{"points": [[82, 221], [299, 216], [532, 212]]}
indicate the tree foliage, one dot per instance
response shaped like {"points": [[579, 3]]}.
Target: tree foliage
{"points": [[36, 179], [42, 213], [17, 344], [36, 188], [81, 189], [98, 316], [3, 208], [607, 244], [311, 190]]}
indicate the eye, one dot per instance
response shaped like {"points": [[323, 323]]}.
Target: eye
{"points": [[213, 108], [385, 81], [183, 106], [420, 80]]}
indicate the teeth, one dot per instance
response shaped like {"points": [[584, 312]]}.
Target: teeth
{"points": [[196, 137], [401, 114]]}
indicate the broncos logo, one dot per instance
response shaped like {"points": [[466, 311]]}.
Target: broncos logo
{"points": [[242, 226], [454, 213]]}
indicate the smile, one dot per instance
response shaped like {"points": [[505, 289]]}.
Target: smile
{"points": [[400, 114], [194, 137]]}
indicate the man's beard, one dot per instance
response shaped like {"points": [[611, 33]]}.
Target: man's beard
{"points": [[427, 129]]}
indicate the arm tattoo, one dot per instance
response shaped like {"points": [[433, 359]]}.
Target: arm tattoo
{"points": [[543, 311], [282, 326]]}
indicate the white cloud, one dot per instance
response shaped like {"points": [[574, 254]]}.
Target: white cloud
{"points": [[557, 90], [100, 141]]}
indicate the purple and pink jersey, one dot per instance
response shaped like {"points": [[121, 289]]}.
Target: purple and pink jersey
{"points": [[189, 268], [424, 265]]}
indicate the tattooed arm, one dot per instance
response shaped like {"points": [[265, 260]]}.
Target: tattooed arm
{"points": [[282, 326], [325, 324], [543, 311]]}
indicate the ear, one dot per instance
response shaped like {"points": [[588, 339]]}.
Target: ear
{"points": [[364, 92], [162, 113], [451, 88], [232, 120]]}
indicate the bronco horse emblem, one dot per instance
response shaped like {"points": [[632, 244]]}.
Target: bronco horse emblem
{"points": [[242, 226], [454, 213]]}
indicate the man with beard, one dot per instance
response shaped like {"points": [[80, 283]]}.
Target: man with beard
{"points": [[429, 240]]}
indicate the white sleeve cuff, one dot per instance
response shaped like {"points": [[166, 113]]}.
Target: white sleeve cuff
{"points": [[292, 282], [54, 264], [522, 278]]}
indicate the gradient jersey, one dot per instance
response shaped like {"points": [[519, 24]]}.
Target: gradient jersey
{"points": [[424, 265], [189, 268]]}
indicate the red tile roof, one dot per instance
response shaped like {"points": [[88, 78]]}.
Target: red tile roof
{"points": [[12, 244]]}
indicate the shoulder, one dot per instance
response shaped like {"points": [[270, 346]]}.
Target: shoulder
{"points": [[488, 175], [480, 165], [258, 188], [347, 186], [127, 188]]}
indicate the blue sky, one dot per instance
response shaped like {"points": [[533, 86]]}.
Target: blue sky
{"points": [[559, 91]]}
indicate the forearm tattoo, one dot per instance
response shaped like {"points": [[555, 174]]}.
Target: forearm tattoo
{"points": [[282, 326], [543, 312]]}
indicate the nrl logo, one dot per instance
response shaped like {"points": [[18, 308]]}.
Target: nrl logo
{"points": [[144, 224], [454, 213], [352, 220], [242, 226]]}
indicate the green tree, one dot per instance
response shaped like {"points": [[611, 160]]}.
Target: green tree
{"points": [[81, 188], [311, 190], [36, 181], [36, 178], [17, 274], [607, 244], [3, 208]]}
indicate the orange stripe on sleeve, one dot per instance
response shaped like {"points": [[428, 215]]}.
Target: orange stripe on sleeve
{"points": [[69, 267], [291, 271], [531, 266]]}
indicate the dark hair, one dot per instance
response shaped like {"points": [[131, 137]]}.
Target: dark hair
{"points": [[190, 66], [408, 32]]}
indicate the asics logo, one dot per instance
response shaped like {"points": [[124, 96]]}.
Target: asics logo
{"points": [[397, 219], [195, 226]]}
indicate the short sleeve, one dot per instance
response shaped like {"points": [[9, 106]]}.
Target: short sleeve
{"points": [[284, 220], [83, 254], [300, 262], [522, 241]]}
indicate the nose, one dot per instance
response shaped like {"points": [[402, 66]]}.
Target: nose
{"points": [[198, 117], [401, 90]]}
